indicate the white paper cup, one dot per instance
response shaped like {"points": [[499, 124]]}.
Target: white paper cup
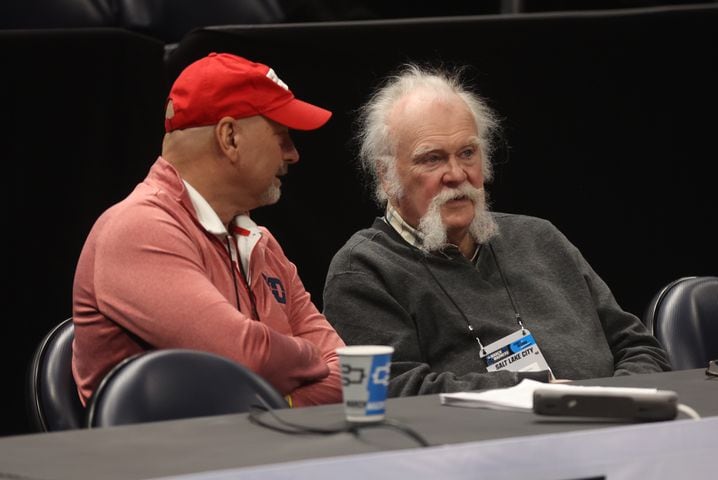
{"points": [[365, 380]]}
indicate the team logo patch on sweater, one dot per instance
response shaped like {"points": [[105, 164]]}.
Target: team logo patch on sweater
{"points": [[277, 289]]}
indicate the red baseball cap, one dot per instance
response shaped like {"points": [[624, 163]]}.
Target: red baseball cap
{"points": [[224, 85]]}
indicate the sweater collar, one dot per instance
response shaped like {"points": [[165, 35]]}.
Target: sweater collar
{"points": [[206, 215], [163, 175]]}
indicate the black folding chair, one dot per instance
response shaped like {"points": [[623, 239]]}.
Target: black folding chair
{"points": [[683, 316], [52, 398], [177, 383]]}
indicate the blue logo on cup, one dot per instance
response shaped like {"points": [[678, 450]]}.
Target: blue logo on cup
{"points": [[377, 385]]}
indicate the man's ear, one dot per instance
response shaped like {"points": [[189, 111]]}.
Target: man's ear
{"points": [[226, 134]]}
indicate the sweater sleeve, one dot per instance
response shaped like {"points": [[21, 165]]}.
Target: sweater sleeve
{"points": [[363, 311], [634, 349]]}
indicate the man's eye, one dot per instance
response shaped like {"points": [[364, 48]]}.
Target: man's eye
{"points": [[468, 153], [430, 158]]}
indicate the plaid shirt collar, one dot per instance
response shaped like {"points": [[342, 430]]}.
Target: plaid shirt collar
{"points": [[412, 236]]}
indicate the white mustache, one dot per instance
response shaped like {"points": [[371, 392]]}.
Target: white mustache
{"points": [[465, 190]]}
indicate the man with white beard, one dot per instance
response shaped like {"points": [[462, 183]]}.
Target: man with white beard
{"points": [[469, 299], [180, 264]]}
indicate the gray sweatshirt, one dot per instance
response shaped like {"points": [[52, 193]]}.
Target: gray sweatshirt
{"points": [[381, 290]]}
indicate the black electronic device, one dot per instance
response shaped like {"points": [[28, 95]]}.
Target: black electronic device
{"points": [[609, 403]]}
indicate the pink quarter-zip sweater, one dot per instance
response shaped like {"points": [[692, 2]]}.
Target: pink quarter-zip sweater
{"points": [[150, 277]]}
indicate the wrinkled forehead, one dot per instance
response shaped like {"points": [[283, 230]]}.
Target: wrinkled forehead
{"points": [[428, 113]]}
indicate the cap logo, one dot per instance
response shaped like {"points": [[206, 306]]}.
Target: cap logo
{"points": [[273, 77]]}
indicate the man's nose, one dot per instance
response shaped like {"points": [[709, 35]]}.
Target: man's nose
{"points": [[454, 173], [291, 155]]}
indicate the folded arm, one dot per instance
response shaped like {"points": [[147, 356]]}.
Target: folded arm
{"points": [[149, 278], [308, 324]]}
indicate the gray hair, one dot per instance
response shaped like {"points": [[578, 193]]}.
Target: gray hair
{"points": [[377, 149]]}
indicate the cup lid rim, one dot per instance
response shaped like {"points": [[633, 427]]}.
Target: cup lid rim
{"points": [[365, 350]]}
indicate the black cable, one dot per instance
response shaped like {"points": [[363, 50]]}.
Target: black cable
{"points": [[284, 426], [410, 432], [255, 417]]}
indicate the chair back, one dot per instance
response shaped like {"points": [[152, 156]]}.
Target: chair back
{"points": [[52, 398], [683, 316], [176, 383]]}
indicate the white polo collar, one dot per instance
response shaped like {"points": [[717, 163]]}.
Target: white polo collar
{"points": [[209, 219]]}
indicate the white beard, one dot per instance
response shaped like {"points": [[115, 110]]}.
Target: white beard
{"points": [[271, 195], [274, 192], [483, 227]]}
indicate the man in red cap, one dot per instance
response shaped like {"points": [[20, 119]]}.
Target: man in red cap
{"points": [[180, 264]]}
